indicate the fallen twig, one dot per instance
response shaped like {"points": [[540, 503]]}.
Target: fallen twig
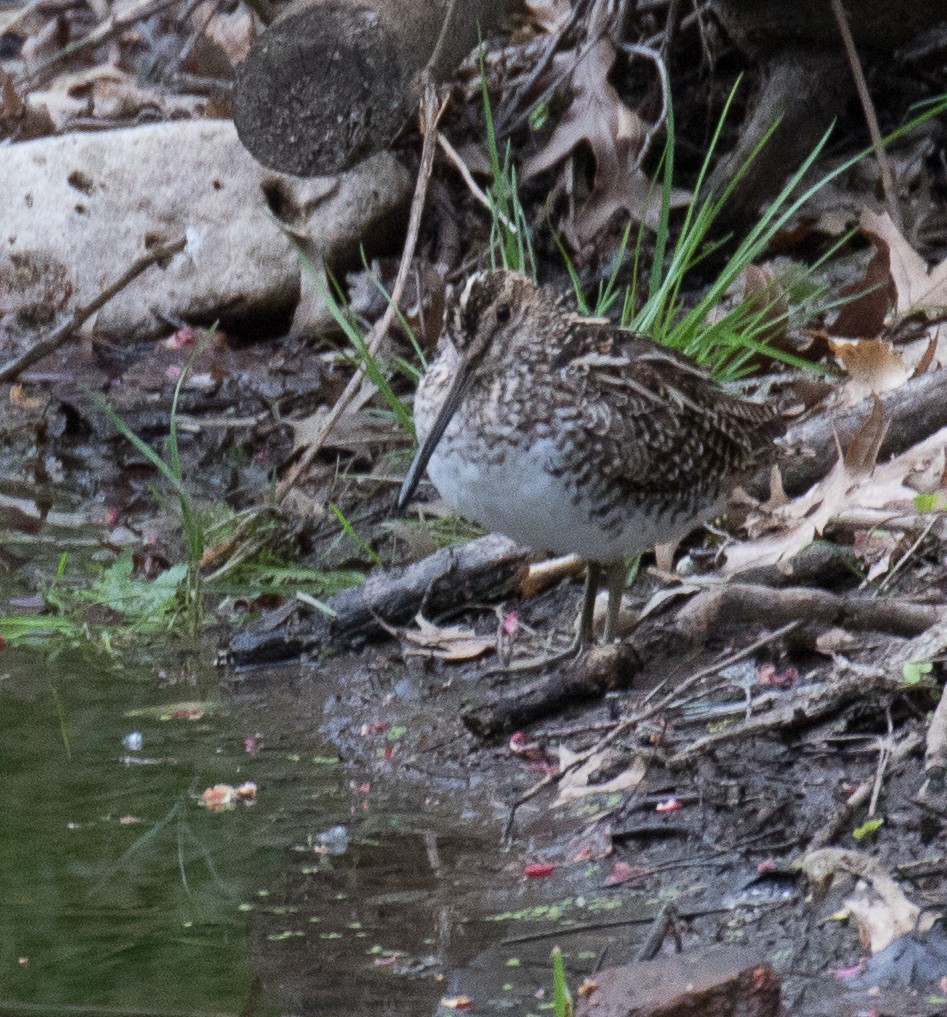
{"points": [[12, 368], [807, 704], [645, 712], [463, 169]]}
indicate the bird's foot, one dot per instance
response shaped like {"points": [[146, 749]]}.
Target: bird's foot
{"points": [[543, 660]]}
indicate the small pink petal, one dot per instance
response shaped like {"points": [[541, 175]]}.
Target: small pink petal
{"points": [[842, 973], [538, 870]]}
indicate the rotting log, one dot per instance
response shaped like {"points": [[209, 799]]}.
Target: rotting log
{"points": [[489, 566], [332, 81]]}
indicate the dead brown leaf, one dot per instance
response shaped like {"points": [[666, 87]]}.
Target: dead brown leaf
{"points": [[21, 118], [915, 286], [575, 784], [882, 915], [451, 642], [596, 116], [872, 298], [793, 526], [872, 365]]}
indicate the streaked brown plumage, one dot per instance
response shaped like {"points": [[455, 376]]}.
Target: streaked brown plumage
{"points": [[572, 435]]}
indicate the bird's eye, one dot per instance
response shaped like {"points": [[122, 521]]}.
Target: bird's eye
{"points": [[503, 314]]}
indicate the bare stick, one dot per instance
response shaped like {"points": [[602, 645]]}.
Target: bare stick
{"points": [[430, 116], [887, 176], [12, 368], [464, 170], [842, 814]]}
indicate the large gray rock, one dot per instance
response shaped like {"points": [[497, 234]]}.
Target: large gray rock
{"points": [[79, 209]]}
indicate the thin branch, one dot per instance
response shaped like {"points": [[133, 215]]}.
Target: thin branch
{"points": [[464, 170], [861, 85], [12, 368], [641, 715]]}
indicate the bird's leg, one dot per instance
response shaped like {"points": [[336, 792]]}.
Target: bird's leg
{"points": [[583, 637], [616, 575], [593, 576]]}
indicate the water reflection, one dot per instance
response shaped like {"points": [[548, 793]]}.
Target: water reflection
{"points": [[354, 885]]}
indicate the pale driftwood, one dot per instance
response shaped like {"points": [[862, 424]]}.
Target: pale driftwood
{"points": [[487, 567], [329, 83]]}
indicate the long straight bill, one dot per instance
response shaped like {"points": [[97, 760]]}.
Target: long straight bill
{"points": [[421, 458]]}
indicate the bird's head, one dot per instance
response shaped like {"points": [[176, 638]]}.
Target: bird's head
{"points": [[490, 312]]}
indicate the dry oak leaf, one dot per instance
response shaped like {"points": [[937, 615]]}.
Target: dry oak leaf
{"points": [[616, 135], [452, 642], [884, 916], [864, 315], [872, 365], [796, 524], [575, 783], [915, 285]]}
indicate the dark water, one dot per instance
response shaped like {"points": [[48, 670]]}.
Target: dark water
{"points": [[119, 889], [122, 894]]}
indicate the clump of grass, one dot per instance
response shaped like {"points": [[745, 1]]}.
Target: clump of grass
{"points": [[183, 581], [510, 242], [725, 344]]}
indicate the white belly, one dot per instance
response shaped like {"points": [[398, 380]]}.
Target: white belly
{"points": [[520, 498]]}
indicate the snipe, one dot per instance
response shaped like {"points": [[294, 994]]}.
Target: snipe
{"points": [[571, 435]]}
